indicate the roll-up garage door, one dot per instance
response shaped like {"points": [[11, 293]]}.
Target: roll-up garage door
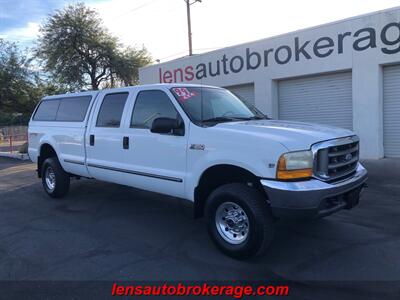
{"points": [[244, 91], [323, 99], [391, 111]]}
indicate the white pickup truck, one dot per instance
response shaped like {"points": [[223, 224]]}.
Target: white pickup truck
{"points": [[241, 170]]}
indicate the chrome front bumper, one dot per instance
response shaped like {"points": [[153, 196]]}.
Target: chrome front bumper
{"points": [[314, 198]]}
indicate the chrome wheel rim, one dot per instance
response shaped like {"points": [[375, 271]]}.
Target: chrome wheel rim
{"points": [[50, 178], [232, 223]]}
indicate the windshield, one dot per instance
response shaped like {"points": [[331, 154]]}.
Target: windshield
{"points": [[204, 104]]}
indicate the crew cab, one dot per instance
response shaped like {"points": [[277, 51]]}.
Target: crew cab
{"points": [[242, 170]]}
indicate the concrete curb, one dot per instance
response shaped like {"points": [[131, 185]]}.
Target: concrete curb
{"points": [[21, 156]]}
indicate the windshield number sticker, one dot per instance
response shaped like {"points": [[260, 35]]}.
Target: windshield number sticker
{"points": [[183, 93]]}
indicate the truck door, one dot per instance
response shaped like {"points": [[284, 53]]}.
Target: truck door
{"points": [[155, 162], [104, 137]]}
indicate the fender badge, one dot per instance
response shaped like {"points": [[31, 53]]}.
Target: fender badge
{"points": [[196, 147]]}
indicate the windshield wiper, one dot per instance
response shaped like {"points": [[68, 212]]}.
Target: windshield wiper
{"points": [[230, 119], [220, 119], [251, 118], [259, 118]]}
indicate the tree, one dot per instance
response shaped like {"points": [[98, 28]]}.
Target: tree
{"points": [[15, 85], [21, 87], [75, 47]]}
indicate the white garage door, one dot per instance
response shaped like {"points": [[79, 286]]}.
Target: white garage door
{"points": [[244, 91], [323, 99], [391, 111]]}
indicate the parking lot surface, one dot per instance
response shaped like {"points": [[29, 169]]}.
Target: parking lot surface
{"points": [[102, 231]]}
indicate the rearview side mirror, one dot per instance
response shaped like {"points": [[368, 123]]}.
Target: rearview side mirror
{"points": [[168, 125]]}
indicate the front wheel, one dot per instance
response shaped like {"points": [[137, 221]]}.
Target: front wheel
{"points": [[239, 220], [54, 179]]}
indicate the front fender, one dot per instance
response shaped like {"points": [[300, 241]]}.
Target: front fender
{"points": [[198, 163]]}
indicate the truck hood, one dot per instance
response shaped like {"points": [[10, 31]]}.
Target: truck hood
{"points": [[293, 135]]}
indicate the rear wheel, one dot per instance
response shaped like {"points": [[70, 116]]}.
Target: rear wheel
{"points": [[239, 220], [54, 179]]}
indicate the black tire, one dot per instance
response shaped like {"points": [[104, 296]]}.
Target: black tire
{"points": [[260, 223], [61, 182]]}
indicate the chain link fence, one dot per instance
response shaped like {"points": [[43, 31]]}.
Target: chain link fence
{"points": [[13, 139]]}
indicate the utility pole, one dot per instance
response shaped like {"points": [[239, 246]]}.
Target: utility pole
{"points": [[188, 3]]}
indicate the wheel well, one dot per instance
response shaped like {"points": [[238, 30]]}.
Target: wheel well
{"points": [[46, 151], [219, 175]]}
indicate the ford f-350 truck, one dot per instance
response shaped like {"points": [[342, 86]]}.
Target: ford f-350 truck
{"points": [[241, 170]]}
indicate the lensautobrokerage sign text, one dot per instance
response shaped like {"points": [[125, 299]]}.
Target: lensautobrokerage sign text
{"points": [[323, 47]]}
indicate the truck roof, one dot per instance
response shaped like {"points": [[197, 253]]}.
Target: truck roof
{"points": [[93, 93]]}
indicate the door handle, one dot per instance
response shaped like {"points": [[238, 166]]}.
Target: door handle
{"points": [[91, 140], [125, 142]]}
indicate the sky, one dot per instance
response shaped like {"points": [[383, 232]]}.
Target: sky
{"points": [[161, 25]]}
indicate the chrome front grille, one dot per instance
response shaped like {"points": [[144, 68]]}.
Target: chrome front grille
{"points": [[335, 159]]}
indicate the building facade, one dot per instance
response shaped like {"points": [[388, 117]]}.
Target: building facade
{"points": [[345, 74]]}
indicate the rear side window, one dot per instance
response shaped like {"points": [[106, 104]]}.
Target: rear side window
{"points": [[73, 109], [111, 110], [47, 110], [150, 105]]}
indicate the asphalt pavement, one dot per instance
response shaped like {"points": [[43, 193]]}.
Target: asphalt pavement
{"points": [[107, 232]]}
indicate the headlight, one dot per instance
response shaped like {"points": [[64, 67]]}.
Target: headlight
{"points": [[295, 165]]}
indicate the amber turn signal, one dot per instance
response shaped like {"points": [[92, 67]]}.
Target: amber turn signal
{"points": [[294, 174]]}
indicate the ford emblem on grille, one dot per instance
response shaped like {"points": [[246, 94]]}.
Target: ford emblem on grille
{"points": [[348, 157]]}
